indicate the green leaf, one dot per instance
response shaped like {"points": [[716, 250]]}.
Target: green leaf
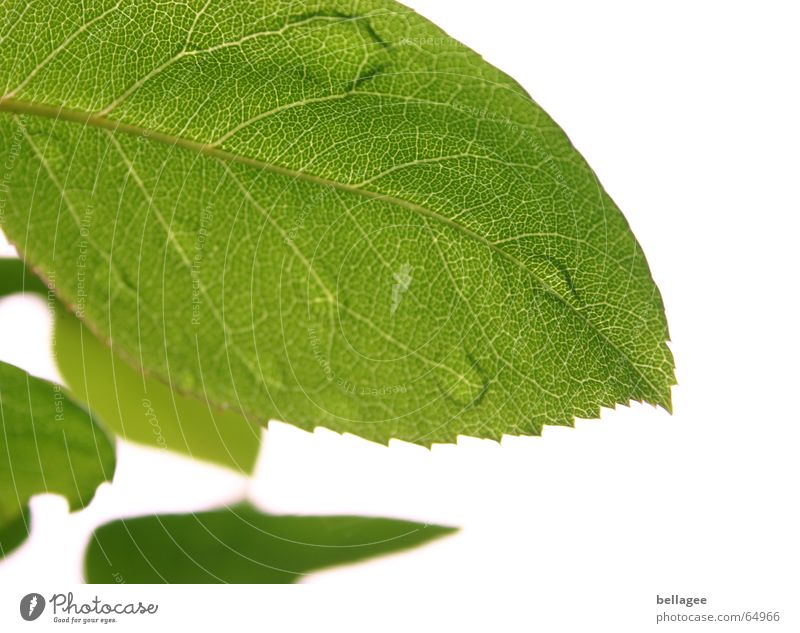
{"points": [[241, 545], [329, 218], [48, 444], [14, 532], [141, 409], [15, 277], [137, 407]]}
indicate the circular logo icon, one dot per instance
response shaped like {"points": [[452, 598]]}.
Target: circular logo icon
{"points": [[31, 606]]}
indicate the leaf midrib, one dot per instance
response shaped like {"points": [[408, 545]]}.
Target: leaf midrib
{"points": [[93, 119]]}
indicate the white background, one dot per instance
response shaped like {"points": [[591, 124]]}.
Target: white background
{"points": [[690, 114]]}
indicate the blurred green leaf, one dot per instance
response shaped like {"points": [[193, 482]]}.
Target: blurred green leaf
{"points": [[240, 544], [48, 444], [13, 533], [137, 407], [15, 277], [142, 409]]}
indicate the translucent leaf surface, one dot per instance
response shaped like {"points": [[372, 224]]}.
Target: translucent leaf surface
{"points": [[324, 214]]}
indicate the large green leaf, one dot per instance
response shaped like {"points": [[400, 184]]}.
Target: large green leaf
{"points": [[48, 444], [136, 406], [241, 545], [325, 215]]}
